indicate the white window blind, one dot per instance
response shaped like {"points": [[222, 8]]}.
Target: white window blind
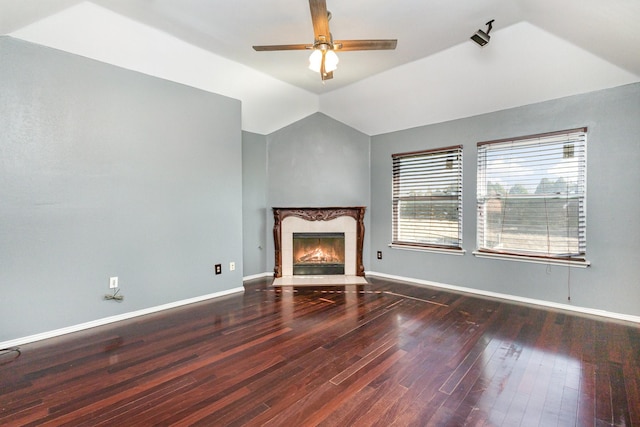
{"points": [[532, 195], [427, 198]]}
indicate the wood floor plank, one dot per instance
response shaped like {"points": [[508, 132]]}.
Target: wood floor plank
{"points": [[363, 362], [382, 354]]}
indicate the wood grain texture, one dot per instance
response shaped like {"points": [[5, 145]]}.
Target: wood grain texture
{"points": [[381, 354]]}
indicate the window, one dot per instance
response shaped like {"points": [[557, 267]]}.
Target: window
{"points": [[427, 198], [532, 195]]}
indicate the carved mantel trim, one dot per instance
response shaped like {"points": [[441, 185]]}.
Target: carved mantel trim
{"points": [[318, 214]]}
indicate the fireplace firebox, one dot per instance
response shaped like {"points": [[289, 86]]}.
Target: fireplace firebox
{"points": [[318, 253]]}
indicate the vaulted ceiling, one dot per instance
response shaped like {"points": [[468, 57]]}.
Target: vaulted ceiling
{"points": [[539, 50]]}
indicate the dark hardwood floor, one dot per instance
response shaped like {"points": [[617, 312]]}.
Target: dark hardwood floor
{"points": [[380, 354]]}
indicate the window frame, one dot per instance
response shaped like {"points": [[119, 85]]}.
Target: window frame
{"points": [[482, 196], [421, 157]]}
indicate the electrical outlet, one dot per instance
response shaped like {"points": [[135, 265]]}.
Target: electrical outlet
{"points": [[218, 268], [379, 254], [232, 266], [113, 282]]}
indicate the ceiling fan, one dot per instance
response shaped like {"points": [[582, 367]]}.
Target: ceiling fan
{"points": [[323, 59]]}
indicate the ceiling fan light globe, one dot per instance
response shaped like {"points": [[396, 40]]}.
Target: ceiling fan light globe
{"points": [[315, 60], [331, 61]]}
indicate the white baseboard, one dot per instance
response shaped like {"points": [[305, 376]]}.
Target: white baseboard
{"points": [[419, 282], [257, 276], [532, 301], [112, 319]]}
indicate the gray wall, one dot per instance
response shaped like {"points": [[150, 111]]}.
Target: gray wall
{"points": [[613, 203], [317, 161], [254, 203], [107, 172]]}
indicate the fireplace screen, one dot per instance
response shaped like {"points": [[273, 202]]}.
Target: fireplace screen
{"points": [[318, 253]]}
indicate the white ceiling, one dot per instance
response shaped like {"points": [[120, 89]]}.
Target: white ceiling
{"points": [[540, 49]]}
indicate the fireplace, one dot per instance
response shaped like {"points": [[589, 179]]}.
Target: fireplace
{"points": [[318, 253], [327, 222]]}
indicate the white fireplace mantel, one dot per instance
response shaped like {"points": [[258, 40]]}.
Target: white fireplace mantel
{"points": [[347, 220]]}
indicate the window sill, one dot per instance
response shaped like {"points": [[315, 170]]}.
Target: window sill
{"points": [[425, 249], [546, 261]]}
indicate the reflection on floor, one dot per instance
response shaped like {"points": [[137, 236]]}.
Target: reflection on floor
{"points": [[335, 279], [382, 354]]}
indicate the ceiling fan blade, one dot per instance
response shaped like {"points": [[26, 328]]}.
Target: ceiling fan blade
{"points": [[365, 44], [283, 47], [320, 19]]}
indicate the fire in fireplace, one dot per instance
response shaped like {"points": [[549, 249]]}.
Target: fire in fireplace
{"points": [[318, 253]]}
